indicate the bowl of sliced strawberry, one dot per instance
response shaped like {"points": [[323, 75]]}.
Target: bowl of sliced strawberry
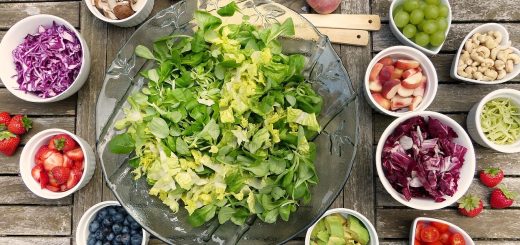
{"points": [[55, 163]]}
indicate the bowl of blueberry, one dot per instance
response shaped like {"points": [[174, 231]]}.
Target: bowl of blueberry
{"points": [[109, 223]]}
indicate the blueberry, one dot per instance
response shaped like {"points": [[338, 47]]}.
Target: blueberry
{"points": [[98, 243], [121, 210], [130, 219], [116, 228], [110, 236], [106, 243], [118, 218], [91, 236], [126, 222], [107, 222], [135, 226], [136, 240], [102, 214], [125, 230], [118, 238], [133, 232], [91, 241], [125, 238], [111, 211], [98, 235], [94, 225], [114, 242]]}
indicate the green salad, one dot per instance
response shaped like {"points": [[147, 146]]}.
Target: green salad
{"points": [[500, 121], [222, 127]]}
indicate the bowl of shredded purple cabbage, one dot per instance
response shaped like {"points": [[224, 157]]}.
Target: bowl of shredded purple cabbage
{"points": [[425, 160], [47, 60]]}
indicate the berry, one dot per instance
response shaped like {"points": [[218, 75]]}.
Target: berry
{"points": [[125, 238], [102, 213], [8, 143], [61, 174], [19, 125], [491, 177], [133, 232], [107, 243], [130, 219], [111, 211], [98, 235], [118, 238], [470, 205], [110, 236], [74, 178], [51, 159], [91, 241], [107, 221], [136, 239], [99, 242], [94, 225], [116, 228], [36, 172], [501, 197], [135, 226], [62, 142], [75, 154], [125, 230], [118, 218], [38, 158], [5, 118]]}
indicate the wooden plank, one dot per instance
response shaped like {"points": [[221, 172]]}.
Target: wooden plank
{"points": [[13, 104], [467, 10], [35, 220], [43, 123], [342, 21], [9, 165], [14, 191], [478, 242], [35, 240], [385, 200], [359, 190], [13, 12], [95, 33], [384, 38], [485, 156], [296, 5], [490, 224]]}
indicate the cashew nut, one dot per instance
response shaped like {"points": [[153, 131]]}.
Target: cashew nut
{"points": [[462, 73], [482, 69], [495, 51], [483, 51], [509, 66], [478, 75], [500, 65], [497, 36], [475, 38], [502, 55], [488, 62], [501, 74], [491, 43], [469, 45], [514, 57], [475, 56], [470, 70], [475, 64], [491, 73]]}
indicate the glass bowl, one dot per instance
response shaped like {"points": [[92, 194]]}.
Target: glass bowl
{"points": [[336, 144]]}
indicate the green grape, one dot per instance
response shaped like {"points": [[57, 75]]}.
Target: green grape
{"points": [[443, 11], [409, 30], [401, 19], [422, 39], [410, 5], [431, 12], [442, 24], [416, 16], [397, 10], [429, 26], [436, 39], [433, 2], [423, 5]]}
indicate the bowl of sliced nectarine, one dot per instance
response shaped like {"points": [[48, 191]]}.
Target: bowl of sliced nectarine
{"points": [[400, 80]]}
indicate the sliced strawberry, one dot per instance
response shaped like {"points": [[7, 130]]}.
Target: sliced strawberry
{"points": [[78, 165], [52, 180], [67, 162], [61, 174], [52, 159], [38, 158], [53, 188], [76, 154], [44, 179], [74, 178], [36, 172], [63, 188]]}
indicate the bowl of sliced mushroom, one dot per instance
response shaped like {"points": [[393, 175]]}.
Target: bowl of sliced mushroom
{"points": [[486, 56], [123, 13]]}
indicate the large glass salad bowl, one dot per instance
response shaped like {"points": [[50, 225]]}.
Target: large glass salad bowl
{"points": [[336, 145]]}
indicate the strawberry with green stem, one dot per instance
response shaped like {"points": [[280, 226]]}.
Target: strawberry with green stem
{"points": [[8, 143], [5, 118], [491, 176], [19, 125], [501, 197], [470, 205]]}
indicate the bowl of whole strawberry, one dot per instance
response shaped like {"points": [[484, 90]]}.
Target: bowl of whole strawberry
{"points": [[55, 163], [400, 80]]}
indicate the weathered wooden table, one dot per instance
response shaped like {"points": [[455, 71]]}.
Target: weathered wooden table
{"points": [[27, 219]]}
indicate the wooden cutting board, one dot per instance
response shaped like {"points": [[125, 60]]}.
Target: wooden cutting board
{"points": [[345, 21], [346, 36]]}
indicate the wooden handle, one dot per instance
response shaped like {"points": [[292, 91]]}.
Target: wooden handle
{"points": [[345, 21], [345, 36]]}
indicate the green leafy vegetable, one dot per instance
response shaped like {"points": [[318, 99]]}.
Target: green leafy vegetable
{"points": [[222, 127], [500, 121]]}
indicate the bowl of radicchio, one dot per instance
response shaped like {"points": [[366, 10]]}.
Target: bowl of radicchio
{"points": [[425, 160], [45, 59]]}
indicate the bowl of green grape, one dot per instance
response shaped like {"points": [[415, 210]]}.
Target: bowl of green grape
{"points": [[422, 24]]}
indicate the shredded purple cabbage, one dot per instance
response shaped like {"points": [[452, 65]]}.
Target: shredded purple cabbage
{"points": [[48, 62], [420, 159]]}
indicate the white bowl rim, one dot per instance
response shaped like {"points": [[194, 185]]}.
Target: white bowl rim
{"points": [[82, 224], [27, 155], [102, 17], [410, 42], [505, 39], [464, 234], [470, 158], [497, 93], [84, 48], [368, 225], [411, 52]]}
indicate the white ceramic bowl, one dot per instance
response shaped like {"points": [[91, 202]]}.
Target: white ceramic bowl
{"points": [[505, 41], [16, 35], [137, 18], [27, 163], [404, 52], [374, 240], [466, 173], [82, 231], [453, 228], [404, 40], [473, 121]]}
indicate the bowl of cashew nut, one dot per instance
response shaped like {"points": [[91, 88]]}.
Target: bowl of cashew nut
{"points": [[486, 56]]}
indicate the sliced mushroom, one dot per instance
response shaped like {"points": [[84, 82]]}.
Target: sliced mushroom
{"points": [[108, 13], [122, 10], [137, 4], [111, 4]]}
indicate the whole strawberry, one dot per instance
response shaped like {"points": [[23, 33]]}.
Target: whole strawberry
{"points": [[62, 142], [5, 118], [8, 143], [470, 205], [501, 197], [19, 125], [491, 176]]}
